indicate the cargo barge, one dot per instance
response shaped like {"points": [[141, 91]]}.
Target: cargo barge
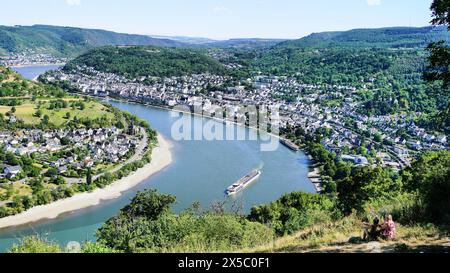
{"points": [[289, 144], [243, 183]]}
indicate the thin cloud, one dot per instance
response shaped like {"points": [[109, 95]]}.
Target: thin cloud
{"points": [[73, 2], [373, 2], [220, 9]]}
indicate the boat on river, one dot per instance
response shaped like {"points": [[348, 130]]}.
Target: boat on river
{"points": [[244, 182]]}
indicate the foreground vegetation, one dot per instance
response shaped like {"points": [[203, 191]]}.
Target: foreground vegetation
{"points": [[342, 237], [297, 222]]}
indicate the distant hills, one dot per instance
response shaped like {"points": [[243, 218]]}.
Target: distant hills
{"points": [[395, 37], [71, 41], [237, 42], [186, 40], [68, 41], [251, 43]]}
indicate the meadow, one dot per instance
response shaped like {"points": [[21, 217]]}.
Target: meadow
{"points": [[27, 111]]}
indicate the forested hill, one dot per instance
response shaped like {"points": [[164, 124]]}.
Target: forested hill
{"points": [[352, 56], [396, 37], [67, 41], [135, 61]]}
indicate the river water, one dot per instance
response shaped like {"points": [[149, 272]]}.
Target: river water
{"points": [[201, 171]]}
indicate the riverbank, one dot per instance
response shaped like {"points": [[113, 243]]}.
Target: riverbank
{"points": [[36, 65], [316, 178], [161, 158]]}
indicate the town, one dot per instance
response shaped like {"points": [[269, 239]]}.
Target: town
{"points": [[68, 154], [31, 58], [355, 137]]}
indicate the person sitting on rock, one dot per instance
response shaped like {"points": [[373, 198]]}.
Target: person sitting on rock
{"points": [[372, 232], [388, 230]]}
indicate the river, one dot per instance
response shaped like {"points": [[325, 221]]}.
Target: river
{"points": [[201, 171]]}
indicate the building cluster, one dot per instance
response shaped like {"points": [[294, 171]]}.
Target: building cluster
{"points": [[69, 149], [299, 104], [27, 58]]}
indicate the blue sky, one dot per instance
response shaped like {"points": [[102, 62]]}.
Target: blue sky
{"points": [[219, 19]]}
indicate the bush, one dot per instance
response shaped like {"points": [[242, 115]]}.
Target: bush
{"points": [[294, 212], [429, 177], [35, 244], [148, 225], [364, 185], [405, 208], [96, 248]]}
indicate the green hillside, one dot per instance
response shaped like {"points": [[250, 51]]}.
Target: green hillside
{"points": [[395, 37], [67, 41], [339, 57], [137, 61]]}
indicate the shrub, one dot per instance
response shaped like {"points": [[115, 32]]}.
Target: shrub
{"points": [[35, 244], [148, 225], [429, 177], [295, 211]]}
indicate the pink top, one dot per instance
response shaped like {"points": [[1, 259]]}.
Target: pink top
{"points": [[389, 229]]}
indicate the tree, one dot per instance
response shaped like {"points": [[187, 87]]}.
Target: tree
{"points": [[38, 113], [65, 141], [364, 185], [46, 120], [439, 59], [13, 110], [89, 176], [293, 211], [430, 178], [441, 12], [51, 172], [149, 204], [27, 202], [378, 138], [67, 115]]}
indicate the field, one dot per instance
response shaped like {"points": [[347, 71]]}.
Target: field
{"points": [[18, 189], [27, 111]]}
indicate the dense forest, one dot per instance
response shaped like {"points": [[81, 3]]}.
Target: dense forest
{"points": [[149, 61]]}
